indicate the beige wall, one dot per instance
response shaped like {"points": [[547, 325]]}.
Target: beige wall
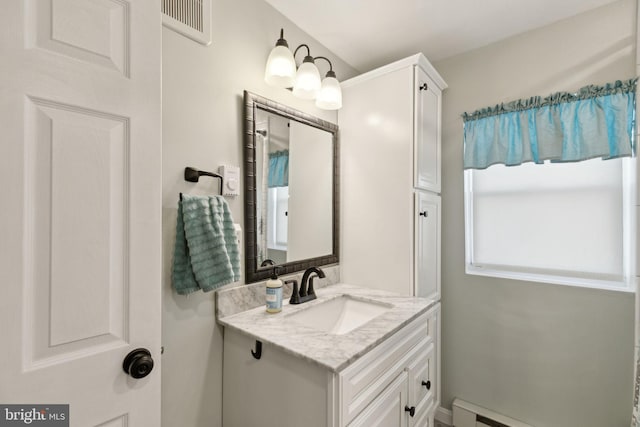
{"points": [[549, 355], [202, 127]]}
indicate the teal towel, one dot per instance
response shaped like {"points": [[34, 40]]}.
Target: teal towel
{"points": [[206, 252]]}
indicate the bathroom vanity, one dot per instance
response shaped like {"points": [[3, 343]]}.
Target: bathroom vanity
{"points": [[358, 355], [353, 357]]}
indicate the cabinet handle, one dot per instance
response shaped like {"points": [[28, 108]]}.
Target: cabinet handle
{"points": [[411, 411], [427, 384], [424, 214], [423, 86]]}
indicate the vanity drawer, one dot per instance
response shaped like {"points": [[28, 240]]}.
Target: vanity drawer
{"points": [[368, 376], [422, 376]]}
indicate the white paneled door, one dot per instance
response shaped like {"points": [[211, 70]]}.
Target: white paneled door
{"points": [[80, 190]]}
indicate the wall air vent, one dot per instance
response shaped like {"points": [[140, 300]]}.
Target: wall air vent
{"points": [[191, 18]]}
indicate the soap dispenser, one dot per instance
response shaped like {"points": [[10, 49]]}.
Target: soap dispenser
{"points": [[274, 293]]}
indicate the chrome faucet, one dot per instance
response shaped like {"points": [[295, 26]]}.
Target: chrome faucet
{"points": [[306, 293]]}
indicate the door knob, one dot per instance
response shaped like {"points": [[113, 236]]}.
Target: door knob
{"points": [[138, 363], [411, 411], [424, 214], [427, 384]]}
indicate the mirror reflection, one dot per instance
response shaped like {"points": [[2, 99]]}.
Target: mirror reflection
{"points": [[290, 189], [294, 190]]}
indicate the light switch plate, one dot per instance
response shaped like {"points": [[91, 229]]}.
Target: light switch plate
{"points": [[231, 177]]}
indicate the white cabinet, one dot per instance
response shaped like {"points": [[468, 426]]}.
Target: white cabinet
{"points": [[427, 147], [390, 174], [426, 419], [390, 142], [384, 387], [409, 400], [427, 244], [388, 409]]}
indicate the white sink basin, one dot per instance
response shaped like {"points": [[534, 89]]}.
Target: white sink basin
{"points": [[339, 315]]}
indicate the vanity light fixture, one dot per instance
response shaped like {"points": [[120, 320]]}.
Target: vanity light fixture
{"points": [[305, 81], [330, 94], [281, 66]]}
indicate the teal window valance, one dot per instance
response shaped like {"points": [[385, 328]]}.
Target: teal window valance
{"points": [[278, 169], [597, 121]]}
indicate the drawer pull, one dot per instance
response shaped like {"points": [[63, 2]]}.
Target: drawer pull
{"points": [[427, 384], [411, 411]]}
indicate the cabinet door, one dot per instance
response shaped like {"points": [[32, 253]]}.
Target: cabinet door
{"points": [[422, 377], [425, 419], [388, 409], [427, 148], [427, 245]]}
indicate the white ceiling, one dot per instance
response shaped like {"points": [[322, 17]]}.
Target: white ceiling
{"points": [[370, 33]]}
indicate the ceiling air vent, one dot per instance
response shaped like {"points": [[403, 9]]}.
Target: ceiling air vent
{"points": [[191, 18]]}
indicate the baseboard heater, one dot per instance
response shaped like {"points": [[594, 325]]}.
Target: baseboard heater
{"points": [[467, 414]]}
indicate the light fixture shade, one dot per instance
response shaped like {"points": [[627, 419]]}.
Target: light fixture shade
{"points": [[281, 68], [307, 83], [330, 94]]}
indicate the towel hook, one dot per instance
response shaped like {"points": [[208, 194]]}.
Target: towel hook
{"points": [[193, 175], [258, 353]]}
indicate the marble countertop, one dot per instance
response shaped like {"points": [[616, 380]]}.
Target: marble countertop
{"points": [[334, 352]]}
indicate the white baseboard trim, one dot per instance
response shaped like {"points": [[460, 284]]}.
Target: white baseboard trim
{"points": [[444, 415]]}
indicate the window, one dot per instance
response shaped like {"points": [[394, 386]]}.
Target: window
{"points": [[277, 227], [566, 223]]}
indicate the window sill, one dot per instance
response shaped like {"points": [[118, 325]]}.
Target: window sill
{"points": [[608, 285]]}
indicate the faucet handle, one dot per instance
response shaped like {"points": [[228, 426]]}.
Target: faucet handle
{"points": [[295, 296]]}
